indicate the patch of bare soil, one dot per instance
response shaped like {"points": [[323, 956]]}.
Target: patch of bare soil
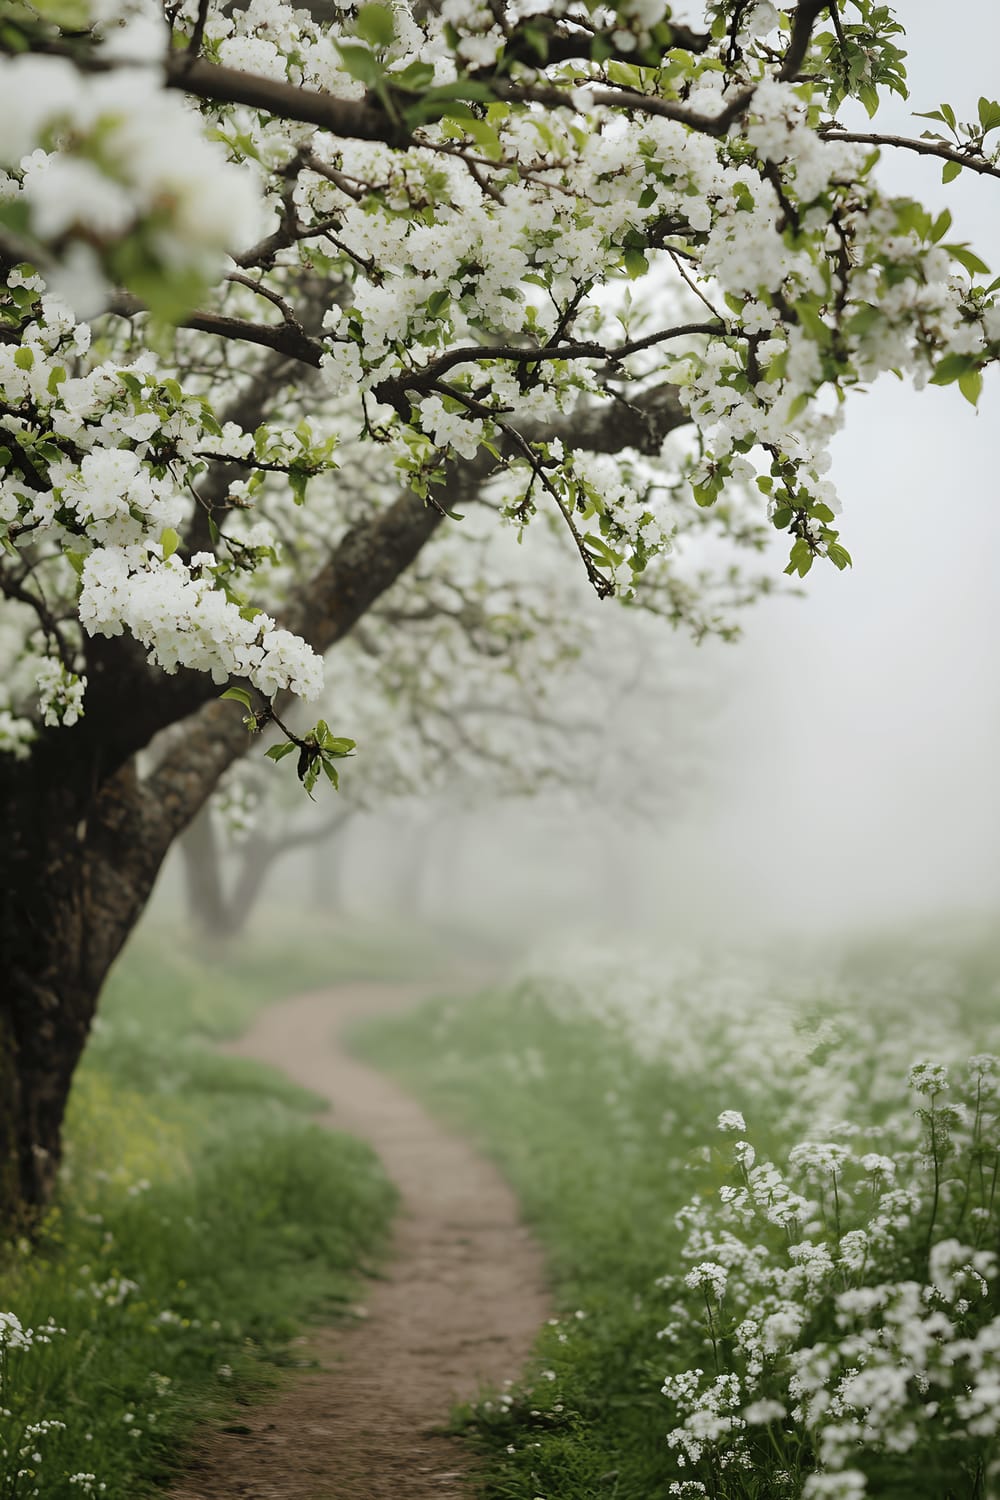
{"points": [[463, 1297]]}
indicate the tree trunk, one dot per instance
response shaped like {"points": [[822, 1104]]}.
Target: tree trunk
{"points": [[76, 869], [209, 910], [43, 1029], [50, 981]]}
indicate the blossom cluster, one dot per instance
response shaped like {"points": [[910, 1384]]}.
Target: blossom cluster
{"points": [[101, 493], [115, 180]]}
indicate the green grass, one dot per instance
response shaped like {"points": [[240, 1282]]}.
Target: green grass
{"points": [[604, 1146], [574, 1120], [201, 1217], [168, 985]]}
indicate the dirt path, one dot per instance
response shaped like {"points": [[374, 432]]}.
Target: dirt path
{"points": [[463, 1298]]}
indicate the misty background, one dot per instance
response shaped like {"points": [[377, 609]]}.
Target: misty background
{"points": [[835, 767]]}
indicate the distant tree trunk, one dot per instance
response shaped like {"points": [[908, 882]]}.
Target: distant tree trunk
{"points": [[220, 909], [208, 909], [408, 860]]}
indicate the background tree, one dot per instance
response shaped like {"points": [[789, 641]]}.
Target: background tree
{"points": [[461, 692], [469, 251]]}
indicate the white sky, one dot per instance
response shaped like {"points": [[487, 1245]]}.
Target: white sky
{"points": [[864, 720]]}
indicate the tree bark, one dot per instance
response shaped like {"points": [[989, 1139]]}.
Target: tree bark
{"points": [[84, 837], [64, 914]]}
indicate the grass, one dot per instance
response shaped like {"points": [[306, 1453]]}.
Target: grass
{"points": [[201, 1217], [600, 1124], [575, 1121]]}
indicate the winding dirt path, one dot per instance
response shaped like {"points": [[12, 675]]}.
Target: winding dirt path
{"points": [[462, 1299]]}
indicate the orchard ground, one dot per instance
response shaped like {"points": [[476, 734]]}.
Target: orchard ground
{"points": [[732, 1307]]}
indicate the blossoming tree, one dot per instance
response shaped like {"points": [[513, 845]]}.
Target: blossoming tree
{"points": [[466, 687], [284, 292]]}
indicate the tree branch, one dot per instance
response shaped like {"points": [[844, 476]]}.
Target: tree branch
{"points": [[343, 117], [367, 561], [428, 375], [284, 339], [628, 100], [804, 18], [940, 149]]}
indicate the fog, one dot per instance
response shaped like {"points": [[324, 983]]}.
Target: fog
{"points": [[843, 751], [858, 782]]}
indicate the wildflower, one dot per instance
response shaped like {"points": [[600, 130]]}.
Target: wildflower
{"points": [[928, 1078], [710, 1275], [762, 1413]]}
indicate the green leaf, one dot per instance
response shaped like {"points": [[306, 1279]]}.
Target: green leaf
{"points": [[971, 386], [169, 294], [635, 264], [278, 752], [951, 368], [950, 171], [800, 559], [437, 302], [68, 15], [239, 695], [169, 542], [941, 226], [812, 323], [867, 317], [537, 40], [413, 78], [462, 88], [375, 24], [25, 358], [989, 114], [330, 771], [968, 259], [361, 63], [308, 770], [485, 137]]}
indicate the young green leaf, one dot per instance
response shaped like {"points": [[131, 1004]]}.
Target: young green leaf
{"points": [[278, 752], [239, 695], [376, 26]]}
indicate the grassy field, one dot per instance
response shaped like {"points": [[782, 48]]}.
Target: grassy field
{"points": [[703, 1276], [201, 1218]]}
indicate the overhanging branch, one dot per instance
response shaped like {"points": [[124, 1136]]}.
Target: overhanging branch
{"points": [[349, 118], [283, 338], [939, 149]]}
